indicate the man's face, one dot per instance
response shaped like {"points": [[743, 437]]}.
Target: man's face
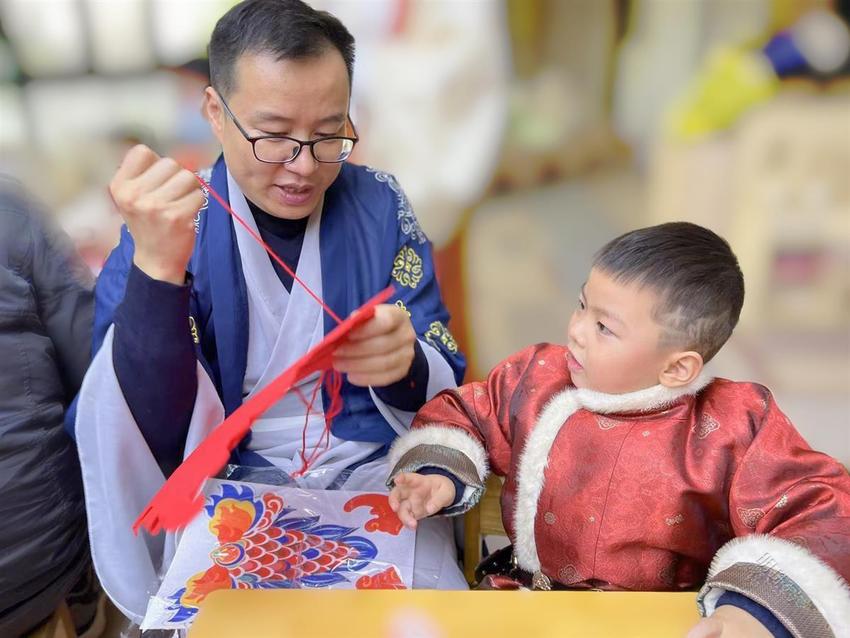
{"points": [[614, 341], [305, 99]]}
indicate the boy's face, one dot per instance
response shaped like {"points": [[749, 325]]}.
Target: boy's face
{"points": [[615, 344]]}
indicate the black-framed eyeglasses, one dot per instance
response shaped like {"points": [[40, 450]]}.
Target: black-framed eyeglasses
{"points": [[282, 149]]}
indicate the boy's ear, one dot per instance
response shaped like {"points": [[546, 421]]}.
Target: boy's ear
{"points": [[681, 369]]}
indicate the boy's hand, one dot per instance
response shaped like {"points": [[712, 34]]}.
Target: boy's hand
{"points": [[729, 621], [417, 496]]}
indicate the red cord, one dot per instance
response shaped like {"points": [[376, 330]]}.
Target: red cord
{"points": [[334, 388], [260, 241], [333, 378]]}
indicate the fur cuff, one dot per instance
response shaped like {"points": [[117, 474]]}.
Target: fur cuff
{"points": [[449, 437], [802, 591], [449, 449]]}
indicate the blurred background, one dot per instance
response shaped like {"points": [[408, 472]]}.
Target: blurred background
{"points": [[526, 134]]}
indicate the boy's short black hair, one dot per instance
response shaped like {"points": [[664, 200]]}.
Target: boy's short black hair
{"points": [[695, 274], [284, 29]]}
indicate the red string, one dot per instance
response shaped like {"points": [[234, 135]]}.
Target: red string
{"points": [[333, 378], [304, 462], [265, 246], [334, 387]]}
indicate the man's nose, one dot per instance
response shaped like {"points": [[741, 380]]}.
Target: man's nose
{"points": [[304, 164]]}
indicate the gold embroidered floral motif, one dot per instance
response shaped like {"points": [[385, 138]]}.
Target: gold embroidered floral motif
{"points": [[193, 329], [569, 574], [407, 267], [750, 517], [401, 305], [605, 423], [706, 426], [438, 332]]}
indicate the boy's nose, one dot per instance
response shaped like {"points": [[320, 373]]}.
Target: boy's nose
{"points": [[574, 334]]}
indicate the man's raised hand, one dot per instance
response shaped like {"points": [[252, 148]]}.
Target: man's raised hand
{"points": [[158, 200]]}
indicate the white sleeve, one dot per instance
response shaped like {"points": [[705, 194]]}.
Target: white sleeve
{"points": [[440, 377], [120, 476]]}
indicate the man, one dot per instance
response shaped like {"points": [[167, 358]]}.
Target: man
{"points": [[46, 308], [193, 317]]}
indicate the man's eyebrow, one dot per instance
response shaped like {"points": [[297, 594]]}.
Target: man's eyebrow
{"points": [[267, 117]]}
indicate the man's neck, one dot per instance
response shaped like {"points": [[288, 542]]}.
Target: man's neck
{"points": [[277, 226]]}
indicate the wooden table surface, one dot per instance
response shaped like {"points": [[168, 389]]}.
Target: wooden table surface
{"points": [[443, 614]]}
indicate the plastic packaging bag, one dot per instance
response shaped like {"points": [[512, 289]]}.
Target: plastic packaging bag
{"points": [[254, 536]]}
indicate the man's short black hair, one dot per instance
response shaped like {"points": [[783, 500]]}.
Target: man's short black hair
{"points": [[284, 29], [695, 274]]}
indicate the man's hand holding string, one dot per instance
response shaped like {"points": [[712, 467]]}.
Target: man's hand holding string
{"points": [[158, 200]]}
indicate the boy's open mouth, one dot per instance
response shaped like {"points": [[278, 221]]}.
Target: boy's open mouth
{"points": [[572, 363]]}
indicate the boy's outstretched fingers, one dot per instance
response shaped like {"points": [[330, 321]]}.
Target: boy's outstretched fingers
{"points": [[394, 499], [400, 491], [415, 496], [406, 515], [402, 478], [399, 500]]}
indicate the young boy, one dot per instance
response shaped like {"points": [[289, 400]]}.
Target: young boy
{"points": [[628, 468]]}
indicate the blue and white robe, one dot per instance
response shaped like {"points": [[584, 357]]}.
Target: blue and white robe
{"points": [[247, 329]]}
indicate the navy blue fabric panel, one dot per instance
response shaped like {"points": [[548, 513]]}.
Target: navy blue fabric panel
{"points": [[762, 614], [410, 392], [285, 237], [154, 359]]}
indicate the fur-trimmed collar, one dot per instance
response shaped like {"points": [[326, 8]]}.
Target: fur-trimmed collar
{"points": [[647, 400]]}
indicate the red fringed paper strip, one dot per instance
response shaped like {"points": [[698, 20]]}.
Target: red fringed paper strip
{"points": [[179, 500]]}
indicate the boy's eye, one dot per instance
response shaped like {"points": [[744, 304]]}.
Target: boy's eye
{"points": [[581, 304], [603, 328]]}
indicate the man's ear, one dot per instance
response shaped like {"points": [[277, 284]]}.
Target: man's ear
{"points": [[681, 369], [214, 112]]}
